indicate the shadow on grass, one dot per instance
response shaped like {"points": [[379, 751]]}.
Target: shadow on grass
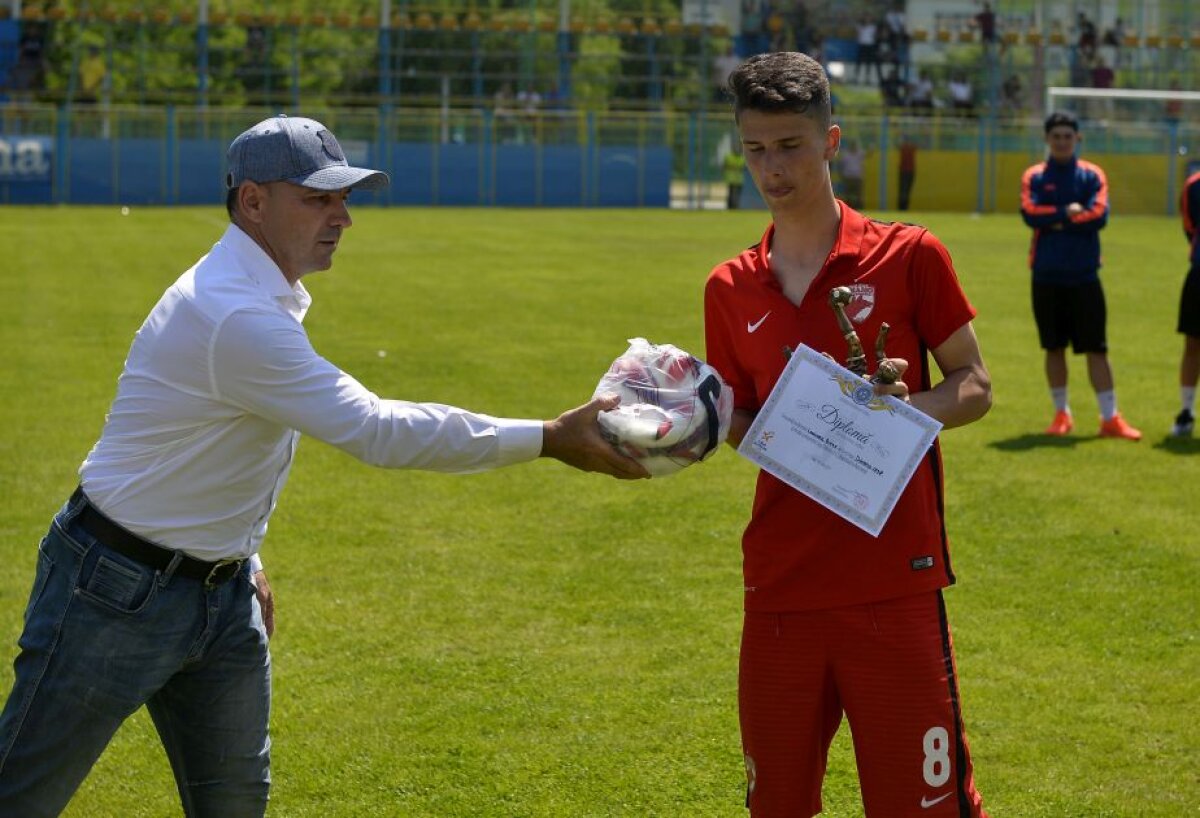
{"points": [[1027, 442], [1023, 443], [1179, 445]]}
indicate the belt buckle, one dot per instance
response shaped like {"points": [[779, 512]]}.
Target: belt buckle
{"points": [[217, 575]]}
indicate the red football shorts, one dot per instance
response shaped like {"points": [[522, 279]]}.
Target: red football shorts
{"points": [[889, 667]]}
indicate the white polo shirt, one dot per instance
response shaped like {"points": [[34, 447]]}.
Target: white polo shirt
{"points": [[220, 383]]}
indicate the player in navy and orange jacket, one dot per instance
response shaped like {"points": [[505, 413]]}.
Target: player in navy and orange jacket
{"points": [[1189, 310], [838, 622], [1065, 200], [1066, 241]]}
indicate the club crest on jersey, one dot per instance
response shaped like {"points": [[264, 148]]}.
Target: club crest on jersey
{"points": [[862, 301]]}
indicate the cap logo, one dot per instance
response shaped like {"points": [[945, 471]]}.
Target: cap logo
{"points": [[297, 150], [331, 146]]}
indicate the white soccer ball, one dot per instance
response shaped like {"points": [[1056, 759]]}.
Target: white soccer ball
{"points": [[675, 409]]}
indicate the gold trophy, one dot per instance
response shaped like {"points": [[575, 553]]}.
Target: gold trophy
{"points": [[856, 359]]}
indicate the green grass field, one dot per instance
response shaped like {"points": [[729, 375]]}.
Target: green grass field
{"points": [[538, 642]]}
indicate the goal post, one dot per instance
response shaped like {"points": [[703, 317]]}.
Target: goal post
{"points": [[1126, 104]]}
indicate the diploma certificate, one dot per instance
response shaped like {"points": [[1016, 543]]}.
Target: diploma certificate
{"points": [[825, 432]]}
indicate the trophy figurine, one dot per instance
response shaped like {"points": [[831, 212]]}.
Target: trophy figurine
{"points": [[856, 359]]}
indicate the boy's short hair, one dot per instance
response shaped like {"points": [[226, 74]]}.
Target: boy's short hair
{"points": [[781, 82], [1060, 118]]}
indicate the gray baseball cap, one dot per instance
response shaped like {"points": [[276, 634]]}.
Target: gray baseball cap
{"points": [[297, 150]]}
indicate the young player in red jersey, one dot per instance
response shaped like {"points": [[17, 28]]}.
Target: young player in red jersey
{"points": [[1065, 200], [837, 621], [1189, 311]]}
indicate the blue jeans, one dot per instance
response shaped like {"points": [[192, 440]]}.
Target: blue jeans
{"points": [[103, 636]]}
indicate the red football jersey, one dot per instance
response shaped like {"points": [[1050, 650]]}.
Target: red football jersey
{"points": [[797, 555]]}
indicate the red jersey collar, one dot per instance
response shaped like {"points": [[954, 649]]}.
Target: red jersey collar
{"points": [[847, 245]]}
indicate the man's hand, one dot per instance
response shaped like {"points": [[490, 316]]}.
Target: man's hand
{"points": [[266, 601], [899, 389], [574, 438]]}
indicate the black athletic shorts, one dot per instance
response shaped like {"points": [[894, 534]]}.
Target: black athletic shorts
{"points": [[1189, 304], [1074, 315]]}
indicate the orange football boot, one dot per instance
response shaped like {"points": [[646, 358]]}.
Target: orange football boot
{"points": [[1117, 427], [1061, 425]]}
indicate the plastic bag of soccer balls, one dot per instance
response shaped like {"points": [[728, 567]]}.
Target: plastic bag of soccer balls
{"points": [[675, 409]]}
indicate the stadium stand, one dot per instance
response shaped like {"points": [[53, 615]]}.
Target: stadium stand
{"points": [[604, 56], [966, 78]]}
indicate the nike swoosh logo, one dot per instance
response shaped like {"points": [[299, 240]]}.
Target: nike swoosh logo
{"points": [[927, 803], [752, 327]]}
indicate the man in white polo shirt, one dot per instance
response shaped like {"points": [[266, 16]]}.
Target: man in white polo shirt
{"points": [[148, 589]]}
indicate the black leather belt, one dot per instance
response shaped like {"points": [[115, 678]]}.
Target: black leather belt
{"points": [[131, 545]]}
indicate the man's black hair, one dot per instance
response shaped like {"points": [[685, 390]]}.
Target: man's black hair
{"points": [[1060, 118]]}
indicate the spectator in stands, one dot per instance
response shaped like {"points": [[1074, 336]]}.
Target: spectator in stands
{"points": [[529, 101], [554, 99], [893, 89], [29, 72], [1086, 31], [256, 44], [908, 169], [1115, 36], [255, 68], [816, 46], [775, 26], [1013, 93], [1102, 77], [797, 19], [895, 27], [962, 95], [985, 21], [920, 94], [723, 65], [504, 113], [867, 54], [1081, 69], [851, 160], [886, 54], [754, 39], [1065, 200], [1114, 39], [92, 72]]}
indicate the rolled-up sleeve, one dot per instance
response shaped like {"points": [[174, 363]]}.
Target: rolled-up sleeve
{"points": [[263, 363]]}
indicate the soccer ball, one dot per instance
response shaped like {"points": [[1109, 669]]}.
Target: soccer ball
{"points": [[675, 409]]}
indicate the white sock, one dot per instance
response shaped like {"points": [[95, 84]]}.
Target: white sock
{"points": [[1187, 395], [1059, 394], [1108, 403]]}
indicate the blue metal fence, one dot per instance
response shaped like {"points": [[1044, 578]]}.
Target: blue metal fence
{"points": [[177, 156], [471, 157]]}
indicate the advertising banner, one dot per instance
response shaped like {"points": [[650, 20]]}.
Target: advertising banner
{"points": [[26, 159]]}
